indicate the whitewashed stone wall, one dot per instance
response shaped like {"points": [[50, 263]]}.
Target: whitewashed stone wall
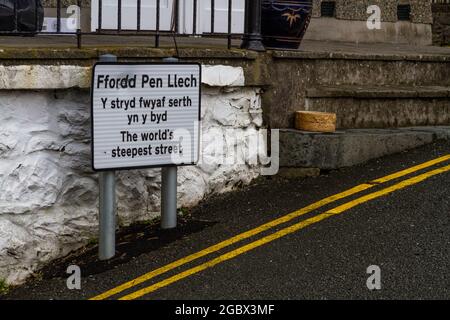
{"points": [[48, 192]]}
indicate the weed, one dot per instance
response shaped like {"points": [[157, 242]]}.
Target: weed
{"points": [[4, 287]]}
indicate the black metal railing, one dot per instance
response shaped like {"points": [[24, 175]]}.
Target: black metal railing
{"points": [[251, 37]]}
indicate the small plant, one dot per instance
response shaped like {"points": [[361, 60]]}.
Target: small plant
{"points": [[38, 276], [148, 222], [183, 211], [4, 287], [93, 241]]}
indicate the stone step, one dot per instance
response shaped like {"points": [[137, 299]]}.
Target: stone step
{"points": [[345, 148], [326, 63], [359, 107], [365, 64]]}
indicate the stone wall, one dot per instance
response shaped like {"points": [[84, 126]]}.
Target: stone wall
{"points": [[65, 3], [441, 24], [356, 9], [49, 193], [349, 23]]}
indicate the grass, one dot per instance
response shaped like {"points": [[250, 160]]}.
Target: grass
{"points": [[4, 287]]}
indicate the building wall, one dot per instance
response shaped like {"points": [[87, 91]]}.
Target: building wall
{"points": [[356, 9], [345, 9], [349, 23], [441, 23], [49, 193], [65, 3]]}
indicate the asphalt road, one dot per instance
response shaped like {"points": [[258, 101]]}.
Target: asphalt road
{"points": [[406, 233]]}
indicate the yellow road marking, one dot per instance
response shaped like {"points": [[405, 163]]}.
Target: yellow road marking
{"points": [[401, 185], [412, 169], [263, 228], [284, 232], [230, 241]]}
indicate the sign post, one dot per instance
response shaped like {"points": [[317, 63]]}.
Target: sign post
{"points": [[144, 115], [169, 197], [169, 189], [107, 206]]}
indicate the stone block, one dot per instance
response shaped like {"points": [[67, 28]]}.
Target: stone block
{"points": [[299, 149]]}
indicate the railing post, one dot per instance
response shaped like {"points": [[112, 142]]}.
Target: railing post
{"points": [[252, 39], [15, 17], [79, 25]]}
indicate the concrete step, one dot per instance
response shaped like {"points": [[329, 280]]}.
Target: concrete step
{"points": [[345, 148], [323, 63], [360, 107], [380, 64]]}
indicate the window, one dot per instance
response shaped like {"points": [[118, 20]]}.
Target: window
{"points": [[404, 12], [328, 8]]}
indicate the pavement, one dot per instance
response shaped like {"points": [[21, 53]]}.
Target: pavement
{"points": [[316, 241], [167, 41]]}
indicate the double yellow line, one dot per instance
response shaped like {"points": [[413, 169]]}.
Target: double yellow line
{"points": [[276, 235]]}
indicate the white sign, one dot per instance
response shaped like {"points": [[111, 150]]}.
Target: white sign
{"points": [[145, 115]]}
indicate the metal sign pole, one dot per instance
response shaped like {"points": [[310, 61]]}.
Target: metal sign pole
{"points": [[169, 189], [107, 239], [169, 198], [107, 216]]}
